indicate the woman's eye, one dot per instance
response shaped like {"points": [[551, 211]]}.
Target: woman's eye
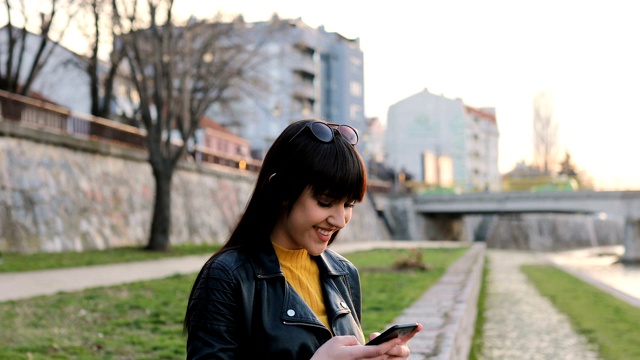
{"points": [[350, 205], [324, 203]]}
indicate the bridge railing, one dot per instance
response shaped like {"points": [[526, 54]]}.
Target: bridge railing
{"points": [[49, 117]]}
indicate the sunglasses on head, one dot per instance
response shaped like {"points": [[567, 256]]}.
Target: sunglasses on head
{"points": [[325, 132]]}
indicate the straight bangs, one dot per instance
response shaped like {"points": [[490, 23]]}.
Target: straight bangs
{"points": [[337, 171]]}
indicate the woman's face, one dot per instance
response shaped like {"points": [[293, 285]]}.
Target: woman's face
{"points": [[311, 222]]}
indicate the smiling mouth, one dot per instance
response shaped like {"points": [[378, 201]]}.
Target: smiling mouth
{"points": [[323, 231]]}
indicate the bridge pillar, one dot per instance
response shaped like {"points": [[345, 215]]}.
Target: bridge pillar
{"points": [[631, 242], [444, 227]]}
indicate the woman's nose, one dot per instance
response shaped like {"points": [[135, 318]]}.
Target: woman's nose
{"points": [[338, 217]]}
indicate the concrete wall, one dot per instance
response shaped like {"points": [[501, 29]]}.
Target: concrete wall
{"points": [[550, 232], [62, 194]]}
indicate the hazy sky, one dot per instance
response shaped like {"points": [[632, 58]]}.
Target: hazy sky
{"points": [[498, 54]]}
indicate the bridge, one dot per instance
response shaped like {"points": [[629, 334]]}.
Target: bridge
{"points": [[624, 205], [619, 203]]}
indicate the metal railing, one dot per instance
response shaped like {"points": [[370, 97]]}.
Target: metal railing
{"points": [[48, 117]]}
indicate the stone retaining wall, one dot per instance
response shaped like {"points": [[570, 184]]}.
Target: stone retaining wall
{"points": [[552, 232], [63, 194]]}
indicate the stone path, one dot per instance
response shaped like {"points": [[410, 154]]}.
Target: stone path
{"points": [[519, 322]]}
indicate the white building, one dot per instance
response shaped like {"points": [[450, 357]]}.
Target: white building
{"points": [[307, 73], [425, 126]]}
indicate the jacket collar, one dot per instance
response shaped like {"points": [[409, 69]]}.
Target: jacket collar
{"points": [[328, 263], [266, 262]]}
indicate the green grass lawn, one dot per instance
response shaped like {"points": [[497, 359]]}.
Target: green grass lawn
{"points": [[144, 320], [611, 324]]}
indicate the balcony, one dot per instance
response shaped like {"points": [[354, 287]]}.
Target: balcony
{"points": [[303, 88]]}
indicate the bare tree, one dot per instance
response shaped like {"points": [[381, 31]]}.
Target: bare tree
{"points": [[545, 131], [20, 66], [178, 72], [101, 29]]}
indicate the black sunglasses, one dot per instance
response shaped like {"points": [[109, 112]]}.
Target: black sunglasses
{"points": [[324, 132]]}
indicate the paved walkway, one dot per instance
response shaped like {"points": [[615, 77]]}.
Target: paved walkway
{"points": [[519, 322], [21, 285]]}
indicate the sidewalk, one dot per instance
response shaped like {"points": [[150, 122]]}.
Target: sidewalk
{"points": [[519, 322], [21, 285]]}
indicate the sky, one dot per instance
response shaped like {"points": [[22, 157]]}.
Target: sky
{"points": [[499, 54], [495, 53]]}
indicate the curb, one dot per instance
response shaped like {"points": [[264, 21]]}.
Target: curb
{"points": [[448, 310]]}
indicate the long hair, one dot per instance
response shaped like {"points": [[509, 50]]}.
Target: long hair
{"points": [[292, 164]]}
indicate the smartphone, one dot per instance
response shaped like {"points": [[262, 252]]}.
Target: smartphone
{"points": [[393, 332]]}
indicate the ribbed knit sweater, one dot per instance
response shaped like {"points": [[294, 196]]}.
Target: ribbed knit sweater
{"points": [[302, 273]]}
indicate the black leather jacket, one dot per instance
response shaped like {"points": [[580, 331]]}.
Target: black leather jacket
{"points": [[243, 308]]}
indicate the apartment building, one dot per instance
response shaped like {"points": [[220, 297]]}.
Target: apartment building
{"points": [[428, 133], [307, 72]]}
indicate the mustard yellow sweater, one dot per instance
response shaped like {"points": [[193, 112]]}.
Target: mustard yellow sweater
{"points": [[301, 272]]}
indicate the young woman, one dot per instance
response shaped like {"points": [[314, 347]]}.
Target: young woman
{"points": [[274, 290]]}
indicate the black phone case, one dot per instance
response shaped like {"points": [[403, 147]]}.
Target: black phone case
{"points": [[393, 332]]}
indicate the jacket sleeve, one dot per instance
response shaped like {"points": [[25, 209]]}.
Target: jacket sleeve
{"points": [[214, 331]]}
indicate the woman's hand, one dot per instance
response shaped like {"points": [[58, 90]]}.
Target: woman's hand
{"points": [[400, 351], [348, 348]]}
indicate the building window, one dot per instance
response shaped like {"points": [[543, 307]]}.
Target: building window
{"points": [[354, 111], [355, 89]]}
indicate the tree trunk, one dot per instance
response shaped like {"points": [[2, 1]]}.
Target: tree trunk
{"points": [[161, 223]]}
